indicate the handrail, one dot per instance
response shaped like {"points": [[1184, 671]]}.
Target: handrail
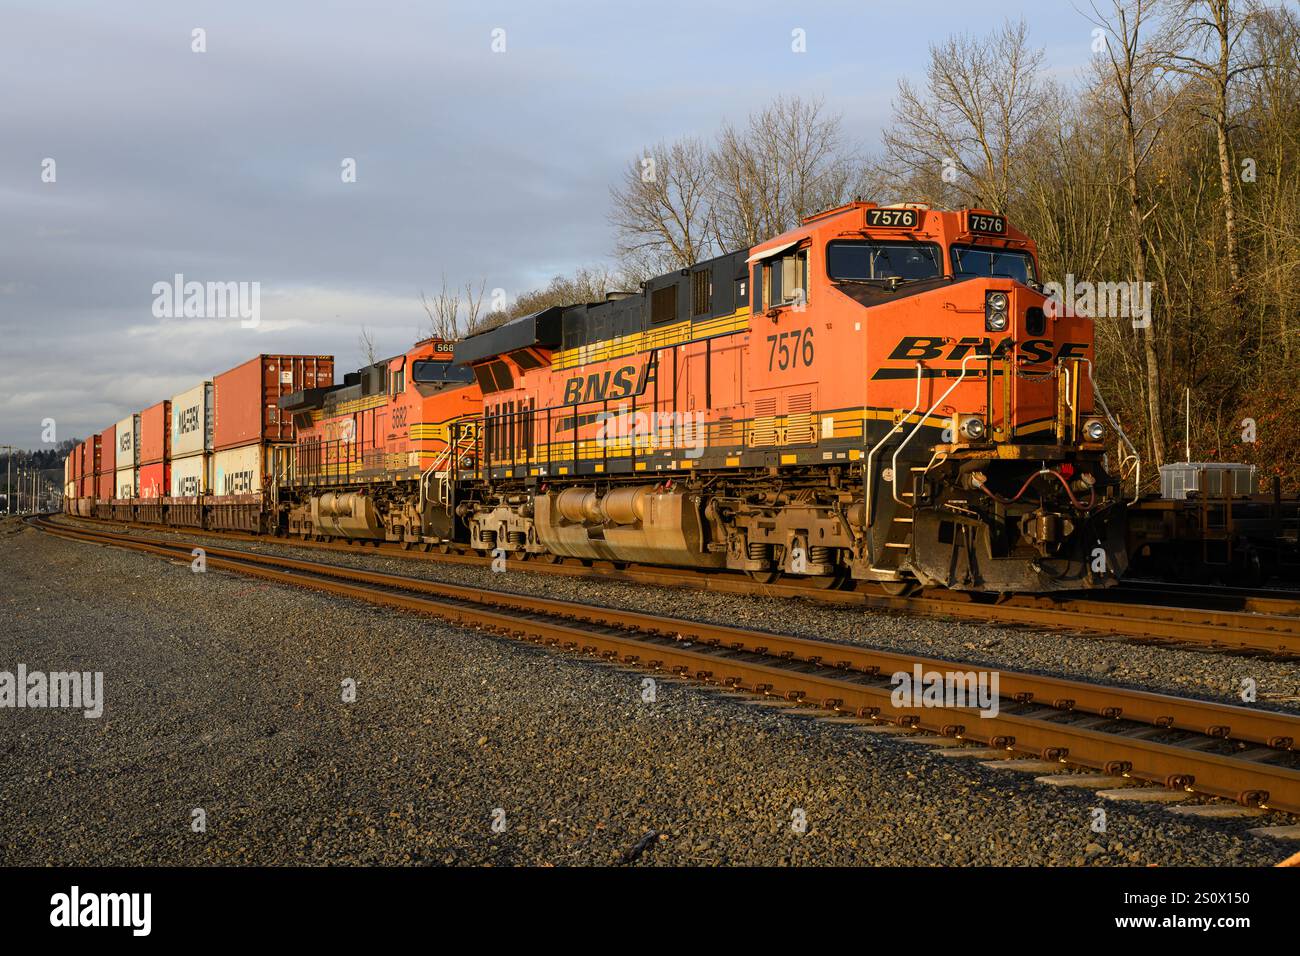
{"points": [[912, 434], [866, 508]]}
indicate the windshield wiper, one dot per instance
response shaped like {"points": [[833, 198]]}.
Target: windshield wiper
{"points": [[892, 282]]}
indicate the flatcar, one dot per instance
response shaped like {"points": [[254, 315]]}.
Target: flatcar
{"points": [[883, 393]]}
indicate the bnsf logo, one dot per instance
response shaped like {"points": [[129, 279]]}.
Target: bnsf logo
{"points": [[237, 483], [597, 387], [912, 348], [187, 420]]}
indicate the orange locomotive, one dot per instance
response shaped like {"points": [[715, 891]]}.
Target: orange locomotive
{"points": [[882, 393], [374, 456]]}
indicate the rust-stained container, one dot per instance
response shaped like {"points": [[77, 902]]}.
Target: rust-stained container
{"points": [[104, 485], [155, 480], [156, 433], [106, 463], [246, 398]]}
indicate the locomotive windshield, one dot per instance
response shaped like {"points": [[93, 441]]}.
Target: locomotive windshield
{"points": [[997, 263], [864, 261], [427, 372]]}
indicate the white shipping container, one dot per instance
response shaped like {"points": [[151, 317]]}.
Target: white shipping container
{"points": [[128, 442], [127, 485], [192, 421], [238, 471], [190, 476]]}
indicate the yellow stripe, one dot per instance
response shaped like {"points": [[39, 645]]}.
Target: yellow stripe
{"points": [[678, 333]]}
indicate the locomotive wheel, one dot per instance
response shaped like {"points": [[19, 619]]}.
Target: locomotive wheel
{"points": [[827, 582], [765, 577], [897, 588], [547, 558]]}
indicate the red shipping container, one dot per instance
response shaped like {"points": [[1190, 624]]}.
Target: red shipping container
{"points": [[155, 433], [156, 480], [105, 484], [92, 461], [246, 398], [107, 463]]}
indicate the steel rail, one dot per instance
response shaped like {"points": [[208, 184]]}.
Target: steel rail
{"points": [[1202, 627], [1112, 729]]}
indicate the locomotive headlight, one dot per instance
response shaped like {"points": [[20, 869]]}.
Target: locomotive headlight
{"points": [[995, 312], [972, 428], [1094, 429]]}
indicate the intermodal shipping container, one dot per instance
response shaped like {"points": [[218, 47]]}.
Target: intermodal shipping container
{"points": [[246, 398], [239, 471], [155, 480], [104, 485], [125, 488], [128, 442], [190, 476], [106, 463], [192, 421], [156, 433]]}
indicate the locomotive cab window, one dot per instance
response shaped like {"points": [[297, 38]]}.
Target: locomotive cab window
{"points": [[787, 279], [428, 372], [864, 261], [995, 263]]}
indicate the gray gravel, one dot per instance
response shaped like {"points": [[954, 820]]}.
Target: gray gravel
{"points": [[223, 693]]}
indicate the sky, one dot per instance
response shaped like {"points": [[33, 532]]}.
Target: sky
{"points": [[473, 163]]}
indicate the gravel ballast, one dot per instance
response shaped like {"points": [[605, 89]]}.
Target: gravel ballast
{"points": [[224, 694]]}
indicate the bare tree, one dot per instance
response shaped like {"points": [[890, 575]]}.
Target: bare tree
{"points": [[661, 209], [443, 311], [790, 161], [1128, 74], [366, 342], [1210, 31], [984, 103], [475, 319]]}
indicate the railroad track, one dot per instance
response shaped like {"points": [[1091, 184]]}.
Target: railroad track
{"points": [[1237, 753], [1214, 621]]}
